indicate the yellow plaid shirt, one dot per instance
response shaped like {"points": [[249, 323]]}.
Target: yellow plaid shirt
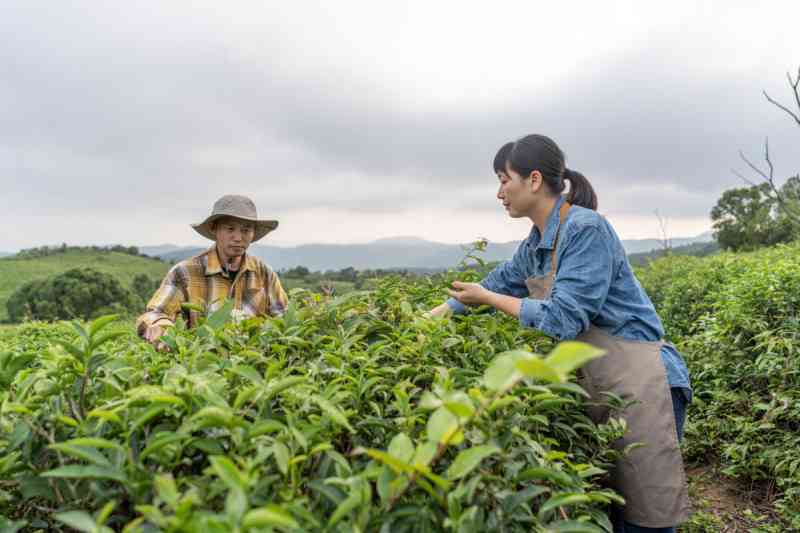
{"points": [[256, 291]]}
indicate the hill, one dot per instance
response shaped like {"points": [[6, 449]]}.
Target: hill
{"points": [[697, 249], [15, 272], [395, 252]]}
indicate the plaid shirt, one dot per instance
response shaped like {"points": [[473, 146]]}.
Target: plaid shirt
{"points": [[256, 290]]}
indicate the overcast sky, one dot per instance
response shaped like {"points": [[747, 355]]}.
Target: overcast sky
{"points": [[353, 121]]}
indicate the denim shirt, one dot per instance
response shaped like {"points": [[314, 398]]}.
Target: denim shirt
{"points": [[594, 285]]}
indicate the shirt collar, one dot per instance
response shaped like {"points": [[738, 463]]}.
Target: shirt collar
{"points": [[552, 226], [213, 265]]}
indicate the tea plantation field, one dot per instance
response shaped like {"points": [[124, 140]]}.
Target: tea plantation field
{"points": [[359, 414]]}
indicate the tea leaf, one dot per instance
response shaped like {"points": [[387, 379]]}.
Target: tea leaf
{"points": [[467, 460], [569, 355], [333, 412], [86, 472], [79, 520], [270, 516]]}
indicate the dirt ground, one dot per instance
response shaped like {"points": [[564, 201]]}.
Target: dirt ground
{"points": [[724, 505]]}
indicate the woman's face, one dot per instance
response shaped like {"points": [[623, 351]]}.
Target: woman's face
{"points": [[516, 193]]}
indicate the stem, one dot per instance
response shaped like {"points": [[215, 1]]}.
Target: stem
{"points": [[83, 393], [442, 446]]}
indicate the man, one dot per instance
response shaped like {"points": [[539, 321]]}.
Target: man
{"points": [[223, 271]]}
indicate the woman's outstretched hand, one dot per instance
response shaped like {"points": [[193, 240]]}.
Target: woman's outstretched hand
{"points": [[439, 310], [469, 293]]}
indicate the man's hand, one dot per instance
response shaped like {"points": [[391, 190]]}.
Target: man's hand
{"points": [[152, 335], [469, 293]]}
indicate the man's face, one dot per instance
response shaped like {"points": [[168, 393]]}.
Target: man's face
{"points": [[233, 236]]}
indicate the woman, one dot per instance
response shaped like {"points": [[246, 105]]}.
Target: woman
{"points": [[571, 279]]}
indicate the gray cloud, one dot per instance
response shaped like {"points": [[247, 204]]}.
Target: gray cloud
{"points": [[95, 118]]}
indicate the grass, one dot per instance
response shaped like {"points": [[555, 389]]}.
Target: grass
{"points": [[16, 272]]}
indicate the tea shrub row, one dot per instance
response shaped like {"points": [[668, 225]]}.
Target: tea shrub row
{"points": [[354, 414], [736, 318]]}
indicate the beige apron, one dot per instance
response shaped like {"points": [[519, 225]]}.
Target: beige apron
{"points": [[650, 478]]}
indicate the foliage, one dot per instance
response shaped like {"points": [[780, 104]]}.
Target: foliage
{"points": [[15, 272], [736, 318], [144, 286], [46, 251], [77, 293], [350, 414], [747, 218]]}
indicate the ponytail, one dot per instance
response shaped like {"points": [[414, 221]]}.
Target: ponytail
{"points": [[581, 192], [540, 153]]}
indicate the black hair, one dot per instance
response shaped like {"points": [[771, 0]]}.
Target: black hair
{"points": [[538, 152], [501, 158]]}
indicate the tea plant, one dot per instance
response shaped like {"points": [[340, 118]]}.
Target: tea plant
{"points": [[354, 414], [736, 318]]}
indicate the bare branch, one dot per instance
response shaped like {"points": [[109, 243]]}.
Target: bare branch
{"points": [[743, 178], [753, 166], [666, 242], [795, 85]]}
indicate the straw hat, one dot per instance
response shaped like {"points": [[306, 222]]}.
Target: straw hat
{"points": [[237, 206]]}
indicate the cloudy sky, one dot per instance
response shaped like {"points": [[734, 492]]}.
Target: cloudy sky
{"points": [[353, 121]]}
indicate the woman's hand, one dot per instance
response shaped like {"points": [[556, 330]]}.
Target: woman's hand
{"points": [[440, 310], [469, 293]]}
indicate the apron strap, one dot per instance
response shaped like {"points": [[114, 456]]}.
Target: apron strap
{"points": [[562, 215]]}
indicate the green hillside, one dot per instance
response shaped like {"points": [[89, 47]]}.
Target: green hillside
{"points": [[15, 272]]}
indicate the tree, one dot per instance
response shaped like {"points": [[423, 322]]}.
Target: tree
{"points": [[297, 272], [78, 293], [748, 217], [143, 286]]}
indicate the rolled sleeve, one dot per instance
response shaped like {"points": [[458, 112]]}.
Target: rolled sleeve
{"points": [[508, 278], [456, 307], [278, 299], [580, 288], [165, 304]]}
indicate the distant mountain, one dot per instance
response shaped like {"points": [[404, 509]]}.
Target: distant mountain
{"points": [[395, 252], [5, 254], [697, 249], [157, 251], [638, 246]]}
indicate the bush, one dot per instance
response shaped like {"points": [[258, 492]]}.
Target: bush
{"points": [[736, 318], [78, 293], [353, 414]]}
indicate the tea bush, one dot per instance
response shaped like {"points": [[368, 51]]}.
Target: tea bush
{"points": [[736, 318], [354, 414]]}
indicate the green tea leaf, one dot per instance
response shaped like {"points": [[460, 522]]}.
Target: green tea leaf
{"points": [[270, 516], [86, 472], [563, 500], [99, 323], [333, 412], [81, 452], [569, 355], [442, 425], [502, 372], [228, 473], [79, 520], [167, 490], [467, 460], [460, 405], [401, 447], [533, 367], [281, 453]]}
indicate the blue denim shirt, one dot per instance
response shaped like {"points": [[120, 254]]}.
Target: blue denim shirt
{"points": [[594, 285]]}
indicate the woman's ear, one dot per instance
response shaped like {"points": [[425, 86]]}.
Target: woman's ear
{"points": [[536, 180]]}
